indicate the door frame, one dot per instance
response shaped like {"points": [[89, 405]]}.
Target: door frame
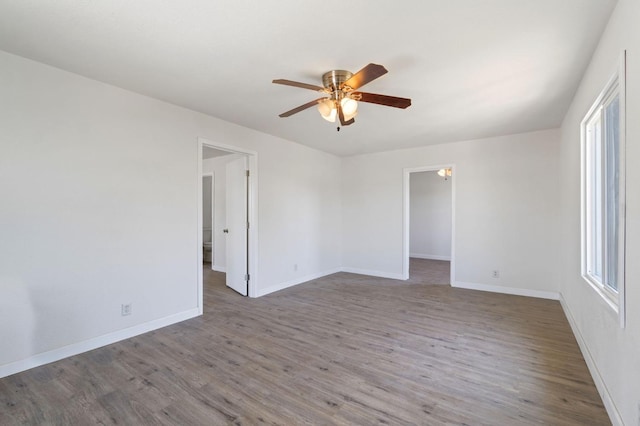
{"points": [[406, 198], [252, 250]]}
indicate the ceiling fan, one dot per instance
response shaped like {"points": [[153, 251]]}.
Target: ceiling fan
{"points": [[341, 95]]}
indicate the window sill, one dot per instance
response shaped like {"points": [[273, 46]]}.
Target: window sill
{"points": [[604, 295]]}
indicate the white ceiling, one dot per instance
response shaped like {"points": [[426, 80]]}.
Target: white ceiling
{"points": [[472, 68]]}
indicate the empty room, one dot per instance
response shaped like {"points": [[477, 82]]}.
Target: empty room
{"points": [[356, 212]]}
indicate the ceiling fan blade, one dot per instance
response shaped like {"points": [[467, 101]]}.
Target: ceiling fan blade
{"points": [[365, 75], [344, 122], [301, 108], [298, 84], [385, 100]]}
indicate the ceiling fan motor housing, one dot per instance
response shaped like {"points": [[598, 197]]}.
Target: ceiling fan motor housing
{"points": [[333, 80]]}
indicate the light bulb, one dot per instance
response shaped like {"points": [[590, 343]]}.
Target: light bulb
{"points": [[324, 107], [327, 110], [441, 172], [349, 106], [332, 115]]}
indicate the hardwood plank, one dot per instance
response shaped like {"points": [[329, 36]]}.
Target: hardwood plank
{"points": [[344, 349]]}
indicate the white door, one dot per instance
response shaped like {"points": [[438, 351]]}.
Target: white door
{"points": [[236, 229]]}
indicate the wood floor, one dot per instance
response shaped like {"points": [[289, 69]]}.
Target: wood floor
{"points": [[344, 349], [427, 271]]}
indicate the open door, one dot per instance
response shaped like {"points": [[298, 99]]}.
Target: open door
{"points": [[236, 231]]}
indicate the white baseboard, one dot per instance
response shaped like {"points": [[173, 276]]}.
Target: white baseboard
{"points": [[93, 343], [429, 256], [296, 281], [219, 268], [612, 411], [373, 273], [507, 290]]}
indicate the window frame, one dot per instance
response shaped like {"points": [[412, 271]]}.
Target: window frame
{"points": [[616, 86]]}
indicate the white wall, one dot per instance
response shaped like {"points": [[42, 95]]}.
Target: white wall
{"points": [[614, 353], [430, 216], [217, 166], [99, 193], [301, 228], [506, 207]]}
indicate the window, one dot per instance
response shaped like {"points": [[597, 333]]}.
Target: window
{"points": [[603, 213]]}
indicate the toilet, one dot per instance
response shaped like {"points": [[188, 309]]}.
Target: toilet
{"points": [[206, 251]]}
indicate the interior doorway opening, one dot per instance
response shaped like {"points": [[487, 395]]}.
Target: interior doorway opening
{"points": [[208, 217], [227, 222], [429, 225]]}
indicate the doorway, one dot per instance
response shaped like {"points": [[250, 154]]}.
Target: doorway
{"points": [[234, 221], [429, 225], [208, 216]]}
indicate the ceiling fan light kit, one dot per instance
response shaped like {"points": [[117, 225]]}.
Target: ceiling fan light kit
{"points": [[445, 173], [342, 101]]}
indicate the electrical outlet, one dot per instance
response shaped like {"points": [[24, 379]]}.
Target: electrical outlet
{"points": [[495, 273], [126, 309]]}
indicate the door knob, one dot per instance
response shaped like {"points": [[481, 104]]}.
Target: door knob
{"points": [[226, 231]]}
